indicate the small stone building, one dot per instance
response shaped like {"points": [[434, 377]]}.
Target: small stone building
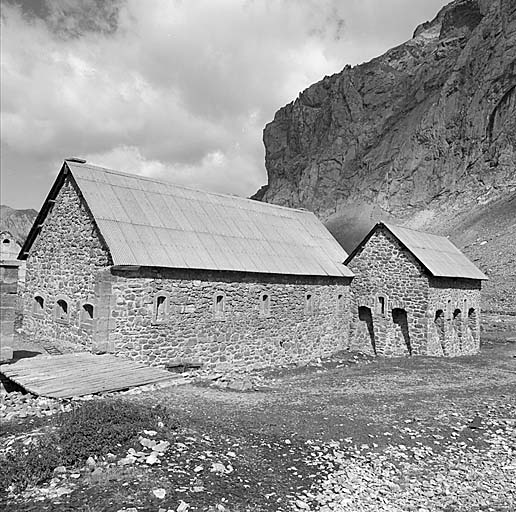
{"points": [[414, 293], [163, 273], [9, 285]]}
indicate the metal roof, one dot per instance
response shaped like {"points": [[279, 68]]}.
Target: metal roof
{"points": [[146, 222], [436, 253]]}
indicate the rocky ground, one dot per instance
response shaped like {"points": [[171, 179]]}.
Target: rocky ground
{"points": [[348, 434]]}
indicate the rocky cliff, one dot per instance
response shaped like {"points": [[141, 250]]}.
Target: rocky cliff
{"points": [[423, 135]]}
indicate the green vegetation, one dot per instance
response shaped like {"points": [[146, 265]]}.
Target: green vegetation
{"points": [[93, 429]]}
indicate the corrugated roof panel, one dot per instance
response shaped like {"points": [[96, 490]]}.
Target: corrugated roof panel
{"points": [[150, 222], [175, 256], [116, 240], [437, 254], [154, 216]]}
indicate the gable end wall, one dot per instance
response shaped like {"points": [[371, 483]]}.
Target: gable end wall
{"points": [[64, 262], [383, 267]]}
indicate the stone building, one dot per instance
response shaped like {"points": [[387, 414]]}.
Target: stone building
{"points": [[414, 293], [163, 273], [10, 274]]}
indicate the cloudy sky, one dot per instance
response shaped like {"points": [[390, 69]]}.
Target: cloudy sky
{"points": [[175, 89]]}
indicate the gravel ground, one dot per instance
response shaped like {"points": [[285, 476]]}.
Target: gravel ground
{"points": [[348, 434]]}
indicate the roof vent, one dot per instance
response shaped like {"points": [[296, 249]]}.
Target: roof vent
{"points": [[75, 160]]}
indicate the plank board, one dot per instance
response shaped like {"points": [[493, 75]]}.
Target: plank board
{"points": [[81, 373]]}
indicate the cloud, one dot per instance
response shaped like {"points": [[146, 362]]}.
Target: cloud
{"points": [[176, 89]]}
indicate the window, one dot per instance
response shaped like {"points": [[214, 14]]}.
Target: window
{"points": [[472, 319], [87, 312], [38, 305], [265, 304], [6, 241], [62, 310], [309, 304], [160, 308], [456, 314], [381, 305], [340, 303], [219, 305]]}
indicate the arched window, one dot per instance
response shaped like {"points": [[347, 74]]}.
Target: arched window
{"points": [[219, 305], [87, 314], [160, 308], [38, 306], [62, 310], [6, 241], [265, 304]]}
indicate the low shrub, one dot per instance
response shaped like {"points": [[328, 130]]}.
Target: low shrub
{"points": [[31, 464], [103, 426], [93, 429]]}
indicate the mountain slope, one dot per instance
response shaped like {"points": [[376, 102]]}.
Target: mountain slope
{"points": [[424, 136], [17, 222]]}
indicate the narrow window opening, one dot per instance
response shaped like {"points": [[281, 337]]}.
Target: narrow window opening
{"points": [[340, 303], [39, 304], [309, 303], [381, 305], [161, 308], [219, 305], [472, 320], [87, 313], [62, 310], [265, 304]]}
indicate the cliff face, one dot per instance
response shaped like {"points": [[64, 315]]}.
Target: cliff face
{"points": [[422, 135]]}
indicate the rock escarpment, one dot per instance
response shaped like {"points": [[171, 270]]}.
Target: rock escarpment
{"points": [[424, 136], [418, 135]]}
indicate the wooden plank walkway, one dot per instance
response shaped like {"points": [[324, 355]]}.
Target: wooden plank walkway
{"points": [[81, 373]]}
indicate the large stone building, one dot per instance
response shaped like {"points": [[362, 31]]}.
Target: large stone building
{"points": [[164, 273], [414, 293]]}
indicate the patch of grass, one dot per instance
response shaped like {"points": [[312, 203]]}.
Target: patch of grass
{"points": [[93, 429], [103, 426]]}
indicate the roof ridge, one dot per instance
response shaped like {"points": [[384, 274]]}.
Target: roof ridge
{"points": [[170, 183], [390, 225]]}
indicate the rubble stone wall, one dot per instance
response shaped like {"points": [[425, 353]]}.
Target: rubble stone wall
{"points": [[63, 264], [8, 300], [459, 331], [162, 316], [396, 305], [386, 273]]}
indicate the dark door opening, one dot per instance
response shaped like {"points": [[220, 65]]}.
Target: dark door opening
{"points": [[399, 317], [439, 326], [365, 315]]}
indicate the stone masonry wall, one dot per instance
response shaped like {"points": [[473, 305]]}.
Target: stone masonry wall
{"points": [[8, 300], [386, 271], [421, 314], [458, 332], [245, 334], [63, 264]]}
